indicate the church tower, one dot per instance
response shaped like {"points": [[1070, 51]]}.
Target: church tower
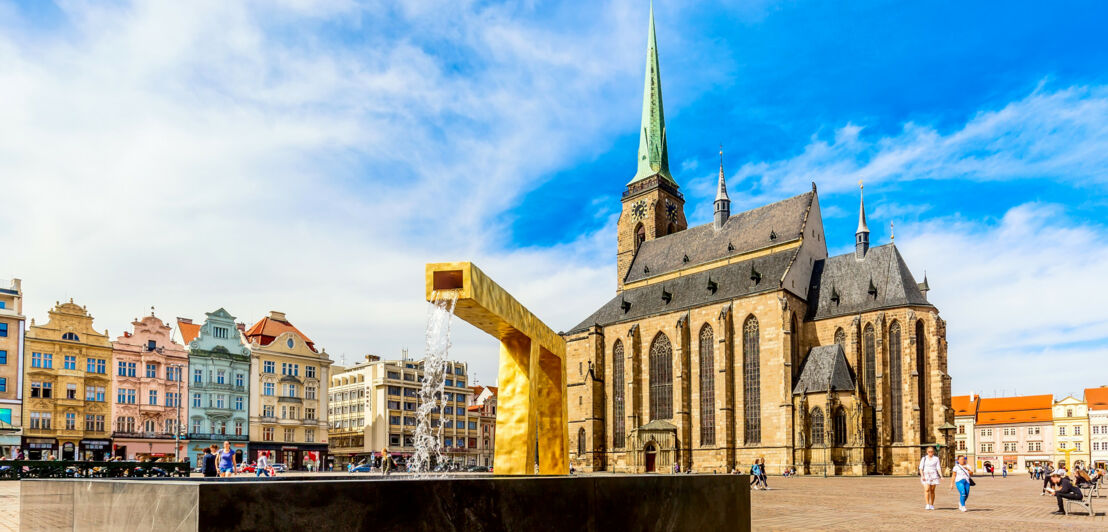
{"points": [[652, 205]]}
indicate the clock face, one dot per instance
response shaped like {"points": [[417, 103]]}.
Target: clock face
{"points": [[638, 210], [671, 211]]}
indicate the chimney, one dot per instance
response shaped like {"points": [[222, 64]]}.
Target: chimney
{"points": [[278, 316]]}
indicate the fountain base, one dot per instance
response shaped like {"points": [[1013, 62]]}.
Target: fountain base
{"points": [[593, 502]]}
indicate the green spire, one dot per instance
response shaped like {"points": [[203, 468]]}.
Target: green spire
{"points": [[653, 155]]}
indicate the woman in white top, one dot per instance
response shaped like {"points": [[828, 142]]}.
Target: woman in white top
{"points": [[929, 475], [961, 480]]}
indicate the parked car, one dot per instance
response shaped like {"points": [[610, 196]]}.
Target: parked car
{"points": [[364, 468], [280, 468], [477, 469], [248, 468]]}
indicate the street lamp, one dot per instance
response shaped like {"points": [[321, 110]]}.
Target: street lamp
{"points": [[947, 429], [177, 426]]}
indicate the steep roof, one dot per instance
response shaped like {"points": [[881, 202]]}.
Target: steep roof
{"points": [[1023, 409], [825, 364], [765, 226], [1097, 398], [272, 326], [653, 157], [189, 331], [963, 405], [753, 276], [843, 285]]}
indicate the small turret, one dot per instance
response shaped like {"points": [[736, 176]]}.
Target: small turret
{"points": [[723, 203], [861, 237]]}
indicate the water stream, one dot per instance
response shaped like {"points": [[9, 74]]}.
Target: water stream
{"points": [[428, 433]]}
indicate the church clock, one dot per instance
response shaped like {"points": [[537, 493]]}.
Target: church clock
{"points": [[638, 210], [671, 211]]}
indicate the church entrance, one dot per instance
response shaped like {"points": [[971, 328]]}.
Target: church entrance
{"points": [[650, 453]]}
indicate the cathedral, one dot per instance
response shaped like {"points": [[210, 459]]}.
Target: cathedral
{"points": [[742, 339]]}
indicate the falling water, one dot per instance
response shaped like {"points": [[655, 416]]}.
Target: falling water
{"points": [[428, 437]]}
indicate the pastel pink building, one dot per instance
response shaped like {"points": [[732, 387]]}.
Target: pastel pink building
{"points": [[147, 379]]}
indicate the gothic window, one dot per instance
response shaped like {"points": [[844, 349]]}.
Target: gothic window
{"points": [[752, 404], [839, 426], [640, 236], [581, 442], [817, 426], [661, 378], [921, 370], [870, 342], [794, 347], [707, 386], [619, 431], [895, 375], [840, 338]]}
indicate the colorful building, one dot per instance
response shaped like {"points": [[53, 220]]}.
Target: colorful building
{"points": [[11, 367], [65, 401], [288, 397], [484, 407], [1071, 432], [218, 384], [350, 413], [965, 418], [1097, 399], [148, 382], [1015, 431]]}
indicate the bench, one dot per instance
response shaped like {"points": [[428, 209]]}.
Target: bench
{"points": [[1086, 502]]}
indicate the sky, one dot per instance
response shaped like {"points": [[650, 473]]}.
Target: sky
{"points": [[309, 156]]}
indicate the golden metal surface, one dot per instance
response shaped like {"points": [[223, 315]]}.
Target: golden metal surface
{"points": [[531, 405]]}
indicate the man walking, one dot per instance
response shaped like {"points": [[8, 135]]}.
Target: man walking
{"points": [[262, 467]]}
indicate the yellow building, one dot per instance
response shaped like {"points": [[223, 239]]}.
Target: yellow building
{"points": [[65, 398], [11, 367], [288, 394], [1071, 431], [965, 418]]}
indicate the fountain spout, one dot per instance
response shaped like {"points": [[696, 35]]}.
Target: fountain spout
{"points": [[531, 406]]}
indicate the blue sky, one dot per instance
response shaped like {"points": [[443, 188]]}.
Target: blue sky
{"points": [[310, 155]]}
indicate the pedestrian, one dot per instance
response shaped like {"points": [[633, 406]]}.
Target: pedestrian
{"points": [[226, 460], [207, 463], [1047, 471], [386, 461], [1004, 470], [929, 473], [762, 473], [1062, 488], [755, 478], [262, 467], [962, 479]]}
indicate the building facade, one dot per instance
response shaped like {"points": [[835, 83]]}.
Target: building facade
{"points": [[1071, 432], [288, 397], [742, 339], [1097, 401], [148, 380], [11, 366], [965, 419], [350, 413], [66, 412], [218, 384], [484, 407], [1016, 432]]}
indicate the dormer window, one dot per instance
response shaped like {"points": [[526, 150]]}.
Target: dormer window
{"points": [[773, 235], [151, 345], [685, 259], [872, 289], [72, 337], [730, 247], [755, 275], [289, 343], [712, 285], [625, 305], [834, 295], [666, 295]]}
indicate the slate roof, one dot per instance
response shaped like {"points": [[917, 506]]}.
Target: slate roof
{"points": [[690, 291], [745, 232], [824, 363], [880, 280]]}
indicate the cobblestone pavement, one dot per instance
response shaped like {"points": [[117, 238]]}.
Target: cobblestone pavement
{"points": [[896, 503], [847, 503]]}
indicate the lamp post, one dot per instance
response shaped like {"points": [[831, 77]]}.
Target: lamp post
{"points": [[947, 428], [177, 426]]}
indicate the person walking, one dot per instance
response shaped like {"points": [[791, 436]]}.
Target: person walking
{"points": [[1003, 470], [962, 479], [755, 477], [762, 473], [262, 467], [930, 474], [1047, 471], [386, 461], [226, 460], [1062, 488], [207, 463]]}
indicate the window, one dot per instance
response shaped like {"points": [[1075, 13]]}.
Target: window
{"points": [[70, 391], [661, 378], [290, 434], [394, 420], [239, 403], [72, 337], [267, 411], [238, 428], [472, 425], [1062, 445], [752, 425], [1069, 412], [309, 435], [1009, 446], [101, 366], [458, 370], [961, 445], [619, 433], [3, 326], [3, 356], [196, 400], [707, 386], [70, 362], [448, 442], [151, 371], [394, 390], [70, 421], [1077, 430], [411, 421], [90, 365], [840, 338], [1077, 446], [269, 366], [290, 390], [961, 429], [448, 410], [220, 332], [1061, 430], [41, 389], [4, 385], [197, 376], [309, 413], [239, 380], [268, 388], [870, 343], [309, 372], [267, 434], [838, 425], [817, 426], [42, 360], [153, 397], [986, 447], [987, 433], [449, 382], [896, 396], [309, 392]]}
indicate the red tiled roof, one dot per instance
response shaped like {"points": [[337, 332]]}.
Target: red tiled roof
{"points": [[1097, 398], [473, 408], [1025, 409], [189, 331], [963, 405], [269, 328]]}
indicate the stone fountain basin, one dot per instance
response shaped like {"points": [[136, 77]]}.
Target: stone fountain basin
{"points": [[472, 503]]}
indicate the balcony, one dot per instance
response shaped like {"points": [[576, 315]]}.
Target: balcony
{"points": [[210, 436], [145, 407], [289, 399], [218, 410], [269, 419], [143, 435]]}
